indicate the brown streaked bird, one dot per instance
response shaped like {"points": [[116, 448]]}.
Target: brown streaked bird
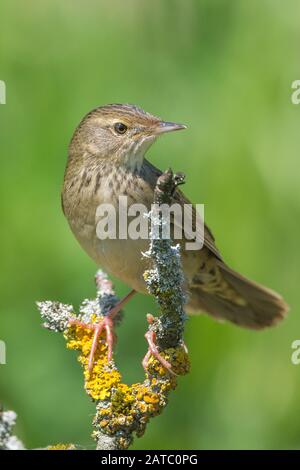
{"points": [[107, 160]]}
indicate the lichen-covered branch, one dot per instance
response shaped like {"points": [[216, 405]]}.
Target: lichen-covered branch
{"points": [[7, 440], [165, 279], [122, 410]]}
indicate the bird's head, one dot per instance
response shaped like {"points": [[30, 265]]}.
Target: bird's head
{"points": [[120, 132]]}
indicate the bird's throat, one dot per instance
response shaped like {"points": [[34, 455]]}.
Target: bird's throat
{"points": [[134, 156]]}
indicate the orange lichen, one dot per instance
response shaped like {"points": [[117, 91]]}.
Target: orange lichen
{"points": [[121, 408]]}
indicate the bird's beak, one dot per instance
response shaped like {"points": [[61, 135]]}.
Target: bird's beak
{"points": [[164, 126]]}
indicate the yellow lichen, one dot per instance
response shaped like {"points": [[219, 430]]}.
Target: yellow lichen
{"points": [[120, 406], [62, 447]]}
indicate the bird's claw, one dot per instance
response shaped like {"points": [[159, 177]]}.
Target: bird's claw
{"points": [[106, 324], [153, 351]]}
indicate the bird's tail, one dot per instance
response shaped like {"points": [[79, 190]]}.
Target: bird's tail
{"points": [[256, 307]]}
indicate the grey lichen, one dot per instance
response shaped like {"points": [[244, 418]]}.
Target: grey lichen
{"points": [[106, 296], [105, 442], [165, 279], [56, 315], [7, 440]]}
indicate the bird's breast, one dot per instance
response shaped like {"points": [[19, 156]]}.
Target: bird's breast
{"points": [[96, 211]]}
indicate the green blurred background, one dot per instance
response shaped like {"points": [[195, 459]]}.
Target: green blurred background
{"points": [[225, 69]]}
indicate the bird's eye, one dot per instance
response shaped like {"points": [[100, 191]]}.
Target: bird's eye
{"points": [[120, 128]]}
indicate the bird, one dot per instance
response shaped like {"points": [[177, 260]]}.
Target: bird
{"points": [[106, 160]]}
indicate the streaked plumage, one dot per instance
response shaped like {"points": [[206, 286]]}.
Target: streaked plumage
{"points": [[101, 167]]}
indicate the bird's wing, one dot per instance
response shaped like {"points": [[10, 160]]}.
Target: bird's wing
{"points": [[190, 221], [190, 211]]}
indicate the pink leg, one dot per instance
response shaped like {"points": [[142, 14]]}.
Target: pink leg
{"points": [[107, 324], [146, 360], [151, 339], [97, 332], [115, 310]]}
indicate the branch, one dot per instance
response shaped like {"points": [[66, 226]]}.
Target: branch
{"points": [[165, 280]]}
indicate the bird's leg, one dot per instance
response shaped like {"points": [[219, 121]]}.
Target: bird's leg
{"points": [[107, 324], [152, 349]]}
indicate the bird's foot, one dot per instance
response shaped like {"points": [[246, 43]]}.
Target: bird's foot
{"points": [[153, 351], [105, 324]]}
